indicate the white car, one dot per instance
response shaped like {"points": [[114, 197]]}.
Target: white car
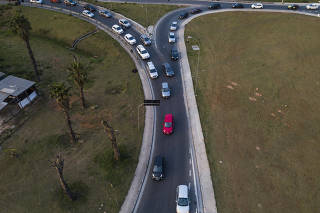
{"points": [[36, 1], [257, 6], [182, 199], [124, 23], [174, 26], [312, 6], [105, 13], [172, 38], [130, 39], [87, 13], [152, 70], [117, 29], [142, 52]]}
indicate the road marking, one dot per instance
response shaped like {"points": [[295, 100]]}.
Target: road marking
{"points": [[190, 172], [190, 161], [189, 186]]}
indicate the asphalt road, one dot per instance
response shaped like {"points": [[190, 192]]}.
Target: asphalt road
{"points": [[159, 197]]}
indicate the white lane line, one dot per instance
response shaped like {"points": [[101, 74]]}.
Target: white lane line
{"points": [[190, 173], [189, 186], [190, 161]]}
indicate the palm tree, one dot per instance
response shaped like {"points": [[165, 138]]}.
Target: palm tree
{"points": [[58, 164], [112, 136], [60, 92], [21, 26], [79, 76]]}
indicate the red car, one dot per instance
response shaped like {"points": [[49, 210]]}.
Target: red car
{"points": [[168, 124]]}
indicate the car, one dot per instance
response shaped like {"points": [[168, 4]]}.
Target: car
{"points": [[70, 3], [125, 23], [196, 10], [152, 70], [168, 124], [88, 13], [214, 6], [158, 168], [89, 7], [182, 199], [168, 71], [257, 6], [55, 1], [130, 39], [174, 54], [117, 29], [183, 15], [165, 90], [174, 26], [145, 40], [142, 52], [237, 5], [293, 7], [36, 1], [172, 37], [312, 6], [105, 13]]}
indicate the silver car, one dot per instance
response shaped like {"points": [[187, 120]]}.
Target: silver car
{"points": [[165, 90]]}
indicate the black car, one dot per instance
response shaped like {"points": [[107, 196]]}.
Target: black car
{"points": [[158, 168], [168, 71], [293, 7], [174, 54], [194, 11], [89, 7], [70, 3], [145, 40], [183, 15], [237, 5], [214, 6]]}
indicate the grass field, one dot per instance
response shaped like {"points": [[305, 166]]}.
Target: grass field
{"points": [[144, 14], [259, 106], [28, 183]]}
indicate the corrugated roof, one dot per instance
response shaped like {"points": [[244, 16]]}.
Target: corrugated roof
{"points": [[14, 86]]}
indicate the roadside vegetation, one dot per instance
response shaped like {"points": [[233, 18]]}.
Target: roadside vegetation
{"points": [[258, 97], [144, 14], [39, 164]]}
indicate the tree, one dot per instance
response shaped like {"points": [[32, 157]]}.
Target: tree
{"points": [[21, 26], [60, 92], [59, 164], [79, 76], [111, 135]]}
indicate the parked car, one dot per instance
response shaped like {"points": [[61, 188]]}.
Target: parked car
{"points": [[105, 13], [117, 29], [293, 7], [145, 40], [174, 26], [168, 71], [257, 6], [237, 5], [142, 52], [183, 15], [312, 6], [36, 1], [125, 23], [89, 7], [168, 124], [165, 90], [214, 6], [130, 39], [88, 13], [55, 1], [182, 199], [152, 70], [196, 10], [174, 54], [70, 3], [158, 168], [172, 37]]}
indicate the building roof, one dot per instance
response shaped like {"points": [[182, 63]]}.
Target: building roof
{"points": [[14, 86], [3, 96]]}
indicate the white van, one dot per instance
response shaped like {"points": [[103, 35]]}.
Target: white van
{"points": [[152, 70], [182, 199], [36, 1]]}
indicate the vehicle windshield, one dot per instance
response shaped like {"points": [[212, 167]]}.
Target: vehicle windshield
{"points": [[167, 124], [125, 22], [118, 28], [174, 24], [165, 89], [183, 202], [130, 38], [171, 36], [157, 169], [153, 71]]}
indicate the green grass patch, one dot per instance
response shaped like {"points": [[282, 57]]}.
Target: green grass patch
{"points": [[258, 100], [28, 182]]}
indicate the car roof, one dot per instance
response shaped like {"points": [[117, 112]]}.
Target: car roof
{"points": [[174, 22], [183, 191], [150, 65], [168, 118], [140, 47]]}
